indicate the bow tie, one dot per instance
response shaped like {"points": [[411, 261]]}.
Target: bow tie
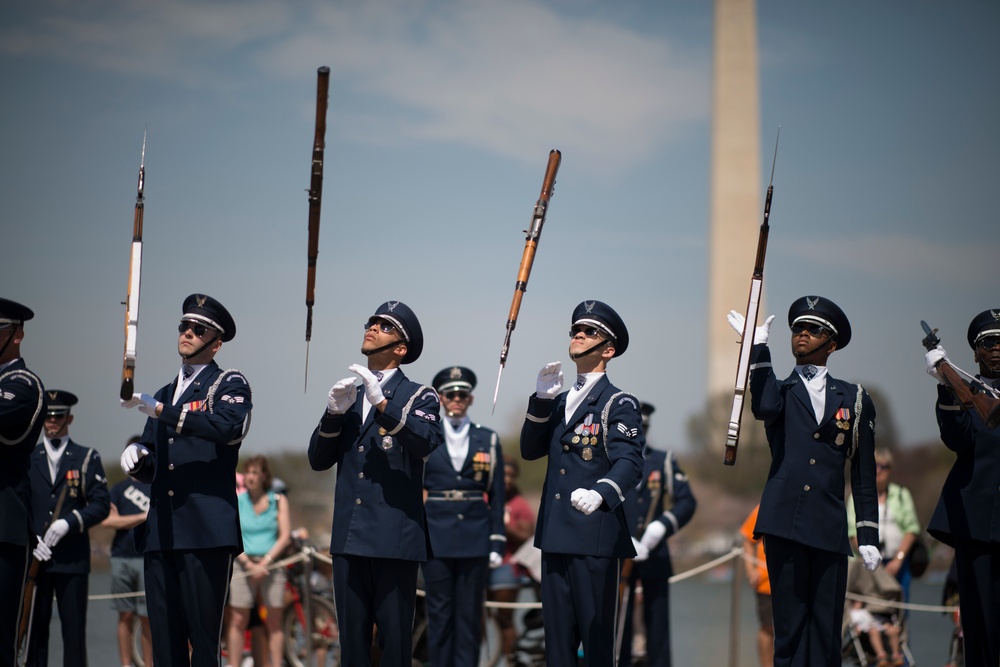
{"points": [[187, 371], [379, 375], [809, 372], [580, 381]]}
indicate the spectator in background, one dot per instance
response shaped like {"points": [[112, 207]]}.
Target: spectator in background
{"points": [[506, 580], [898, 527], [129, 505], [756, 568], [264, 520]]}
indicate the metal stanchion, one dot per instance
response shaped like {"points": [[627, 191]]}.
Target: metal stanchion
{"points": [[734, 614]]}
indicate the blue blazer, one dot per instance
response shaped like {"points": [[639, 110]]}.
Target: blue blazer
{"points": [[467, 528], [22, 412], [610, 464], [969, 507], [378, 508], [665, 488], [86, 504], [803, 499], [194, 449]]}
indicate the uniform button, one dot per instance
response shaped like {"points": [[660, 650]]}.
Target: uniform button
{"points": [[562, 471], [52, 496], [815, 436], [170, 467], [558, 496], [812, 462], [170, 493], [565, 448], [170, 441], [805, 488], [357, 501], [461, 516], [50, 512], [458, 477], [361, 448], [361, 475]]}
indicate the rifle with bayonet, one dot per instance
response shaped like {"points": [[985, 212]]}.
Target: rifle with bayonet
{"points": [[969, 391], [315, 200], [533, 234], [134, 281], [750, 324]]}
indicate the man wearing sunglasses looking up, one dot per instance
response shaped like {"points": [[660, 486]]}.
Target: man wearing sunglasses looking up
{"points": [[22, 414], [464, 484], [378, 438], [188, 451], [814, 423], [592, 436], [966, 516]]}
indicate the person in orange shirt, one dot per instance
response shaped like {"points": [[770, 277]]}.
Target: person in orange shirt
{"points": [[756, 568]]}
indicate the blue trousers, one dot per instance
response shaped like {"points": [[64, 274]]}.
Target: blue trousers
{"points": [[579, 604], [656, 615], [979, 594], [456, 588], [71, 596]]}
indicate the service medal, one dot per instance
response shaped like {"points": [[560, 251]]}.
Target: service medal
{"points": [[381, 430], [387, 442], [839, 439], [587, 453], [479, 476], [575, 440], [72, 493]]}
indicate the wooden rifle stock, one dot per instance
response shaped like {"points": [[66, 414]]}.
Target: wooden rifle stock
{"points": [[533, 234], [134, 282], [28, 603], [315, 200], [749, 325], [970, 395]]}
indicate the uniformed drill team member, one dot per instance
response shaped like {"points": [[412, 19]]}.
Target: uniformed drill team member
{"points": [[378, 438], [814, 423], [592, 436], [465, 504], [22, 412], [661, 505], [188, 453], [967, 516], [63, 468]]}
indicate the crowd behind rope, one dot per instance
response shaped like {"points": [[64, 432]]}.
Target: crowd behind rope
{"points": [[419, 483]]}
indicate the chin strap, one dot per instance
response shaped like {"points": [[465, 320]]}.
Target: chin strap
{"points": [[13, 329], [586, 352], [199, 350], [800, 355], [389, 346]]}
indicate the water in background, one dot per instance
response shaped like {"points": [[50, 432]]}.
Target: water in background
{"points": [[700, 626]]}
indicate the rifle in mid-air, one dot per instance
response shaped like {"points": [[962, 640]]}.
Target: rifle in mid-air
{"points": [[750, 324], [969, 390], [315, 199], [533, 233], [134, 280]]}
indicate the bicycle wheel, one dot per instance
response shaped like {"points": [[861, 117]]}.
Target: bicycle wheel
{"points": [[325, 635], [137, 658]]}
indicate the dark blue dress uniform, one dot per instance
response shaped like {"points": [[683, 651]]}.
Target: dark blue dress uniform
{"points": [[86, 503], [803, 516], [192, 531], [22, 413], [379, 530], [464, 523], [665, 495], [967, 516], [600, 448]]}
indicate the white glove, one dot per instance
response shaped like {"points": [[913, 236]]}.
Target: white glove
{"points": [[372, 389], [42, 552], [550, 380], [586, 500], [641, 552], [760, 334], [341, 397], [932, 359], [496, 560], [131, 456], [147, 404], [870, 555], [56, 532], [653, 534]]}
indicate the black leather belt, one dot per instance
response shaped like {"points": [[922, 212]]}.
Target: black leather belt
{"points": [[454, 494]]}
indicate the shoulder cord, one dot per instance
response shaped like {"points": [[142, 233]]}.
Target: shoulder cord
{"points": [[605, 415], [857, 423], [493, 461], [211, 402], [38, 407]]}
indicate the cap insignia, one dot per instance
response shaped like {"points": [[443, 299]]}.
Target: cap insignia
{"points": [[200, 300], [392, 305], [455, 373], [996, 315], [53, 395], [589, 306], [811, 303]]}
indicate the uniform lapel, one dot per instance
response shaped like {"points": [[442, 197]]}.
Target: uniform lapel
{"points": [[586, 403], [40, 471], [388, 389], [834, 397], [800, 392]]}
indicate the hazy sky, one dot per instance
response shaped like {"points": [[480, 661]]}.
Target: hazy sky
{"points": [[441, 117]]}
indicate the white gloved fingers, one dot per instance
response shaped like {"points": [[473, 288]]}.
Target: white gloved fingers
{"points": [[42, 552], [932, 359], [130, 403], [761, 334], [496, 560], [372, 389], [586, 500], [870, 555], [130, 457], [341, 397], [641, 552], [56, 532], [147, 404], [654, 532], [550, 380], [736, 321]]}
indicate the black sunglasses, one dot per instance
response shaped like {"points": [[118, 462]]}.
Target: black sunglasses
{"points": [[457, 394], [988, 343], [589, 332], [383, 325], [198, 329], [814, 330]]}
